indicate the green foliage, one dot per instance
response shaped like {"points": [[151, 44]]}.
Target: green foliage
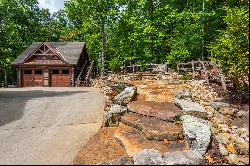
{"points": [[92, 18], [22, 23], [186, 40], [231, 48], [133, 32], [185, 76]]}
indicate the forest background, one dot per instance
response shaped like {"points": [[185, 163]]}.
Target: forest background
{"points": [[122, 32]]}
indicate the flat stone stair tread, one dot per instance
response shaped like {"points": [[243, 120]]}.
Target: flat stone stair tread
{"points": [[160, 110], [154, 129], [134, 141]]}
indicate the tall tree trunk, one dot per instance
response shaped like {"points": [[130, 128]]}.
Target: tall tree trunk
{"points": [[151, 35], [103, 50], [5, 76], [202, 49]]}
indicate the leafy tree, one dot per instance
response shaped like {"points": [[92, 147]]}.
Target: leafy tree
{"points": [[231, 48], [186, 38], [93, 17], [22, 22]]}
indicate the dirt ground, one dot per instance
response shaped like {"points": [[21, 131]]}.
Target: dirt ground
{"points": [[101, 147]]}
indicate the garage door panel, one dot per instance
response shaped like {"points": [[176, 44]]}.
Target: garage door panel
{"points": [[65, 79], [55, 80], [38, 80], [27, 80], [30, 79], [60, 80]]}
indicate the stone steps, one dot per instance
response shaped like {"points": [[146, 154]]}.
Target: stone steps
{"points": [[154, 129], [160, 110], [134, 141]]}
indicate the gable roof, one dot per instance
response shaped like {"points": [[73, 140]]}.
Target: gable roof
{"points": [[70, 51]]}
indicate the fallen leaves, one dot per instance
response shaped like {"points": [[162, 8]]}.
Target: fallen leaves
{"points": [[209, 158], [165, 141], [231, 148]]}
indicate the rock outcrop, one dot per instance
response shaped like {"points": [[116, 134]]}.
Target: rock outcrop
{"points": [[160, 110], [127, 95], [191, 108], [198, 133], [154, 129], [134, 141], [112, 117]]}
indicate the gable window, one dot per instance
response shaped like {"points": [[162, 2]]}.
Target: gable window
{"points": [[65, 71], [38, 72], [27, 72], [55, 72]]}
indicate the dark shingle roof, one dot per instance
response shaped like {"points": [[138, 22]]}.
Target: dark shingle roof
{"points": [[70, 51]]}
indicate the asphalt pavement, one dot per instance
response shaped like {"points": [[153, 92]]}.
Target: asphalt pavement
{"points": [[47, 125]]}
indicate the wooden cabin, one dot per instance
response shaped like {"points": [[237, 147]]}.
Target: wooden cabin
{"points": [[51, 64]]}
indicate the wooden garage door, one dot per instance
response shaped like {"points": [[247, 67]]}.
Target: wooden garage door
{"points": [[32, 78], [60, 78]]}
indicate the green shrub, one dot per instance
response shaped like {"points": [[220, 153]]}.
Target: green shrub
{"points": [[185, 76]]}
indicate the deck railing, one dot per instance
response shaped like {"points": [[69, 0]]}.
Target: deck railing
{"points": [[80, 74]]}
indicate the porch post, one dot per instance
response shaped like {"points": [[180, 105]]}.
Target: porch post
{"points": [[72, 77], [19, 77]]}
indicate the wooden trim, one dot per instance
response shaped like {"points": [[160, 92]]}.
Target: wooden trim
{"points": [[48, 65], [43, 54], [28, 57], [72, 76], [52, 48]]}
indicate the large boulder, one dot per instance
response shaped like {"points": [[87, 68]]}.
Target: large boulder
{"points": [[112, 117], [198, 133], [154, 129], [148, 157], [134, 141], [190, 157], [160, 110], [127, 95], [191, 108]]}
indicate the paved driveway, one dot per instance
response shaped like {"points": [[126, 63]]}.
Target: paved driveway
{"points": [[47, 125]]}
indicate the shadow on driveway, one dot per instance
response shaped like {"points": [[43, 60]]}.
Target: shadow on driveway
{"points": [[12, 103]]}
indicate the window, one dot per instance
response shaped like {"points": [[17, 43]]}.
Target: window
{"points": [[65, 71], [27, 72], [39, 72], [55, 72]]}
